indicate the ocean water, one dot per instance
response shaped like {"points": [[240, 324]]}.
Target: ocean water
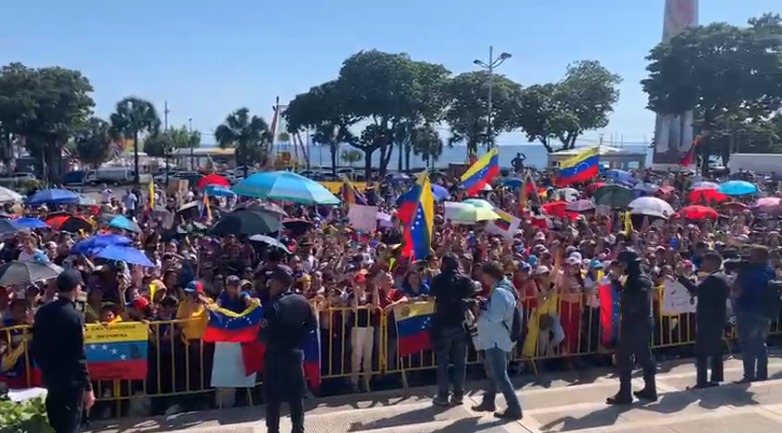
{"points": [[536, 156]]}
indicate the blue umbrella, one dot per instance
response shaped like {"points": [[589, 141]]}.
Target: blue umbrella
{"points": [[124, 223], [218, 191], [737, 187], [94, 244], [286, 186], [128, 255], [440, 193], [621, 176], [513, 182], [31, 223], [54, 196]]}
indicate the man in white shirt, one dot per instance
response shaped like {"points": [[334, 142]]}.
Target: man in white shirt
{"points": [[106, 194]]}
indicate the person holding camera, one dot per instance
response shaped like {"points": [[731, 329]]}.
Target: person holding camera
{"points": [[450, 288], [495, 322], [710, 316], [754, 310]]}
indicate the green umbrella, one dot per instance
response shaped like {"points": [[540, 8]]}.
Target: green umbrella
{"points": [[613, 196]]}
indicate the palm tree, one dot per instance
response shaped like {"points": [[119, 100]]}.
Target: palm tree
{"points": [[249, 135], [134, 117], [427, 143], [93, 143], [351, 156]]}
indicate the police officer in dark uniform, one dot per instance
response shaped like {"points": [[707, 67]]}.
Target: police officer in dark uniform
{"points": [[288, 319], [635, 329], [58, 349]]}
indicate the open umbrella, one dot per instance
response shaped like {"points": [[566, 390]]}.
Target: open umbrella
{"points": [[513, 182], [286, 186], [568, 194], [613, 196], [213, 179], [9, 226], [651, 206], [10, 196], [22, 274], [218, 191], [440, 193], [94, 244], [737, 187], [247, 222], [704, 185], [555, 208], [707, 195], [464, 213], [70, 224], [768, 205], [696, 212], [124, 223], [126, 254], [54, 196], [477, 202], [31, 223], [270, 241], [621, 176], [581, 206]]}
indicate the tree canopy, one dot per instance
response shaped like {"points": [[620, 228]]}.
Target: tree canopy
{"points": [[730, 77]]}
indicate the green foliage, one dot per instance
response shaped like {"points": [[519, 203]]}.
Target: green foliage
{"points": [[351, 156], [26, 417], [159, 143], [730, 78], [93, 143], [134, 117], [249, 135]]}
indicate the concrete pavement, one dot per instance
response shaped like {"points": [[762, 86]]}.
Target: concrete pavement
{"points": [[566, 402]]}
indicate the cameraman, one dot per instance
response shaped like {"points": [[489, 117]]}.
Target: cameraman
{"points": [[450, 288], [753, 317]]}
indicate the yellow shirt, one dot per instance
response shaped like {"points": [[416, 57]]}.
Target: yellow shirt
{"points": [[193, 320]]}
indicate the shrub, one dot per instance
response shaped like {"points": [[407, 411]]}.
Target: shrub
{"points": [[26, 417]]}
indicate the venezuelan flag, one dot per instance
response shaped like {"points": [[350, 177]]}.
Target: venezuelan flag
{"points": [[482, 172], [417, 236], [406, 204], [580, 168], [311, 351], [349, 193], [504, 221], [412, 324], [117, 351], [609, 313], [225, 326]]}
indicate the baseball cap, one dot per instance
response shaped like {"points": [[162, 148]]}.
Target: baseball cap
{"points": [[281, 273], [195, 287], [68, 280], [139, 303], [232, 280]]}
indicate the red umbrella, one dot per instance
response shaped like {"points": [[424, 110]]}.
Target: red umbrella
{"points": [[213, 179], [558, 209], [592, 187], [707, 195], [697, 212]]}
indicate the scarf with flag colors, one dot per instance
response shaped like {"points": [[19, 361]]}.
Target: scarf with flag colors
{"points": [[417, 235], [482, 172], [117, 351], [412, 323], [580, 168], [689, 158], [229, 327]]}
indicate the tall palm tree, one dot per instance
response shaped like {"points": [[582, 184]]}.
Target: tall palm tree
{"points": [[134, 117], [93, 142], [249, 135], [426, 143]]}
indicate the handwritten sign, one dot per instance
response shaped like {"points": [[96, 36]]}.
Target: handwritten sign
{"points": [[676, 299], [363, 218]]}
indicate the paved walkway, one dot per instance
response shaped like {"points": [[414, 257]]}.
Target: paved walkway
{"points": [[565, 403]]}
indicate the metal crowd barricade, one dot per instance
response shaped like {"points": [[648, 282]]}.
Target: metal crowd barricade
{"points": [[179, 367]]}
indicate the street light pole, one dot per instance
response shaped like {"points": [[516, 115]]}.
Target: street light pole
{"points": [[192, 149], [490, 66]]}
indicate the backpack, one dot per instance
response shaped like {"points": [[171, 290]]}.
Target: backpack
{"points": [[517, 326]]}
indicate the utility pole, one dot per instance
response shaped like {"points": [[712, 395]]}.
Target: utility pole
{"points": [[192, 149], [166, 149], [490, 66]]}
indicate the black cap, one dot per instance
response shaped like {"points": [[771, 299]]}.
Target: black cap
{"points": [[281, 273], [628, 257], [68, 280]]}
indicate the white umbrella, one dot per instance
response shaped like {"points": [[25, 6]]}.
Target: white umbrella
{"points": [[568, 194], [10, 196], [705, 185], [650, 206], [465, 213]]}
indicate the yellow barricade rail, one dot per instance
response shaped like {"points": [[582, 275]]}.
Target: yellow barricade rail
{"points": [[178, 366]]}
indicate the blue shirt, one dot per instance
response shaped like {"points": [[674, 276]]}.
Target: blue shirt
{"points": [[423, 290], [495, 322], [237, 305], [753, 282]]}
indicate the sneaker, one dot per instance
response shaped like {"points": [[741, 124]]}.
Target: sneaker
{"points": [[511, 415], [484, 407], [440, 401], [457, 400]]}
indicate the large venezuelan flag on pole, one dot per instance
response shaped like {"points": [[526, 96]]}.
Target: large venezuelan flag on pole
{"points": [[482, 172], [117, 351], [412, 325], [580, 168], [417, 236]]}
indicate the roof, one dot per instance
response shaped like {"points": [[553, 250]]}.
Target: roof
{"points": [[602, 150], [204, 151]]}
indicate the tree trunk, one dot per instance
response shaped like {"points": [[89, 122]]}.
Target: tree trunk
{"points": [[408, 151], [399, 157], [368, 164], [333, 148], [136, 177]]}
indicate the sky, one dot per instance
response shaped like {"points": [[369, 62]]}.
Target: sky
{"points": [[207, 58]]}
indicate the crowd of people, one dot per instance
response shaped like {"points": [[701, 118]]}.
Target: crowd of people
{"points": [[557, 264]]}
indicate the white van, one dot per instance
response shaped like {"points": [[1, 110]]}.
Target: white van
{"points": [[110, 175]]}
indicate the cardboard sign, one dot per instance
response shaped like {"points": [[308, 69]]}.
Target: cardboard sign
{"points": [[363, 218], [676, 299]]}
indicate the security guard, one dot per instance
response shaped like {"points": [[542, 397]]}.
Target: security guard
{"points": [[635, 328], [288, 319], [58, 349]]}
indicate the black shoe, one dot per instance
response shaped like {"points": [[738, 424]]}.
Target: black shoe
{"points": [[440, 401], [646, 394], [618, 400], [744, 381], [484, 407], [456, 400], [510, 415]]}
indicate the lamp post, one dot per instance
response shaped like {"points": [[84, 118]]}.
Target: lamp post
{"points": [[490, 66], [192, 149]]}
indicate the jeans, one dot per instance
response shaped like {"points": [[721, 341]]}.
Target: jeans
{"points": [[451, 348], [498, 379], [753, 331]]}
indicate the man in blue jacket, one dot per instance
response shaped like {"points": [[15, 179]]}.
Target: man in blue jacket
{"points": [[494, 328], [753, 317]]}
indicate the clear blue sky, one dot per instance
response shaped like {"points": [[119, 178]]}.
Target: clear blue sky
{"points": [[208, 57]]}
